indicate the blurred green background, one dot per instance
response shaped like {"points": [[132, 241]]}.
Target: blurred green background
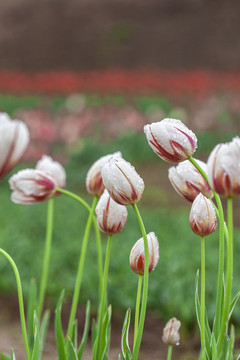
{"points": [[171, 287]]}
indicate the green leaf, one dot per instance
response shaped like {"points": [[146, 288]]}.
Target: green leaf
{"points": [[4, 357], [13, 357], [31, 307], [198, 314], [229, 354], [119, 357], [94, 339], [125, 349], [71, 352], [75, 334], [85, 331], [58, 330], [233, 304], [214, 347], [105, 336], [35, 351], [43, 331]]}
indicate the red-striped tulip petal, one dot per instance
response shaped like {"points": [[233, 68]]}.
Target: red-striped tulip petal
{"points": [[111, 217], [187, 180], [171, 140], [224, 168], [137, 255], [122, 181], [202, 219], [53, 168], [171, 335]]}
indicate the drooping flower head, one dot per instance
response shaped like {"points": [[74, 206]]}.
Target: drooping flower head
{"points": [[202, 218], [171, 140], [34, 185], [94, 183], [224, 168], [171, 335], [14, 138], [187, 180], [122, 181], [137, 256], [111, 217]]}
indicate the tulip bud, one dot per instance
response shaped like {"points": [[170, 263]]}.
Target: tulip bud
{"points": [[94, 181], [14, 138], [202, 219], [187, 180], [31, 186], [224, 168], [171, 334], [137, 255], [111, 217], [122, 181], [171, 140], [53, 168]]}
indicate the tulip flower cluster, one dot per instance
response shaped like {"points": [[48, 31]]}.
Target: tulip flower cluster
{"points": [[115, 185]]}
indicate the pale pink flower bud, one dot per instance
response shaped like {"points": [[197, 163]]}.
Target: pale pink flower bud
{"points": [[187, 180], [137, 255], [54, 168], [31, 186], [122, 181], [224, 168], [14, 138], [171, 140], [94, 181], [111, 217], [171, 335], [202, 219]]}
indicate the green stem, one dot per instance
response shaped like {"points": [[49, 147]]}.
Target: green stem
{"points": [[145, 285], [20, 301], [97, 232], [169, 355], [138, 300], [219, 300], [80, 270], [103, 297], [46, 256], [226, 308], [203, 298]]}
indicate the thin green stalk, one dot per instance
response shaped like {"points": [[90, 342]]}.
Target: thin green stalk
{"points": [[203, 340], [80, 270], [46, 256], [20, 301], [103, 296], [226, 308], [138, 301], [145, 285], [169, 355], [97, 232], [218, 314]]}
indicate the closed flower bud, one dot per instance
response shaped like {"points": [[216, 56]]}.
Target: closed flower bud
{"points": [[187, 180], [202, 219], [171, 140], [224, 168], [14, 138], [111, 217], [94, 181], [122, 181], [31, 186], [137, 255], [54, 168], [171, 335]]}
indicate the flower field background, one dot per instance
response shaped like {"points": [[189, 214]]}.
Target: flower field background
{"points": [[78, 128]]}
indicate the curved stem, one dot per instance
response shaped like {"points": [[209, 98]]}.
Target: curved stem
{"points": [[145, 285], [46, 256], [203, 298], [80, 269], [20, 301], [97, 232], [103, 297], [138, 300], [169, 355], [225, 319], [222, 228]]}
